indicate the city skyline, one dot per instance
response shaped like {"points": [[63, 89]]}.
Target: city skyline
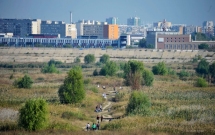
{"points": [[192, 12]]}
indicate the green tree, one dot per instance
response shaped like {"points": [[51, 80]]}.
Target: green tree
{"points": [[142, 43], [212, 69], [89, 58], [160, 69], [150, 46], [139, 104], [133, 74], [104, 58], [25, 82], [72, 90], [49, 69], [203, 67], [34, 115], [110, 68], [203, 46], [182, 74], [201, 82], [148, 77], [199, 37], [77, 60]]}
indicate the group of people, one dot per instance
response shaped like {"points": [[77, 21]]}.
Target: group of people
{"points": [[94, 126], [98, 108]]}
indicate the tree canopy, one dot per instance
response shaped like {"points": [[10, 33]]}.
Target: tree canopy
{"points": [[89, 58], [110, 68], [203, 67], [104, 58], [203, 46], [160, 69], [142, 43], [72, 90]]}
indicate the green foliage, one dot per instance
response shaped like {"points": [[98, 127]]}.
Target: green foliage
{"points": [[203, 67], [25, 82], [195, 60], [203, 46], [183, 74], [77, 60], [139, 104], [150, 46], [118, 97], [182, 114], [51, 67], [94, 89], [95, 72], [72, 90], [201, 82], [34, 115], [133, 74], [142, 43], [89, 58], [199, 37], [148, 77], [110, 69], [87, 81], [171, 71], [212, 69], [160, 69], [11, 76], [104, 58]]}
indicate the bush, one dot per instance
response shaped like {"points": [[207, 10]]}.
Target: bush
{"points": [[89, 58], [133, 74], [72, 90], [139, 104], [104, 58], [51, 67], [160, 69], [77, 60], [110, 69], [95, 72], [201, 82], [25, 82], [94, 89], [203, 67], [34, 115], [183, 74], [148, 77]]}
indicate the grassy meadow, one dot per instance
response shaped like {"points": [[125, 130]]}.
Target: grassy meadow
{"points": [[177, 106]]}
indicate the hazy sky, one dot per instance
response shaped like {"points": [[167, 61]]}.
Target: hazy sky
{"points": [[176, 11]]}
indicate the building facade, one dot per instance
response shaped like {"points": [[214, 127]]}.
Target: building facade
{"points": [[70, 31], [112, 20], [208, 28], [192, 29], [110, 31], [134, 21], [20, 27]]}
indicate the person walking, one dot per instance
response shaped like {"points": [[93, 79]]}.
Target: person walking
{"points": [[97, 118], [88, 126], [101, 118], [94, 126], [98, 126]]}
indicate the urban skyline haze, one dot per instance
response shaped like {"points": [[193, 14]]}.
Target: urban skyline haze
{"points": [[190, 12]]}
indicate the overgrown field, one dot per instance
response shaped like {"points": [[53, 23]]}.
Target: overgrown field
{"points": [[177, 105]]}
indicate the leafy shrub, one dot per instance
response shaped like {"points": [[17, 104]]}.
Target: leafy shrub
{"points": [[139, 104], [72, 90], [95, 72], [182, 74], [201, 82], [34, 115], [87, 81], [171, 71], [133, 74], [49, 69], [104, 58], [203, 67], [11, 76], [183, 114], [89, 58], [25, 82], [118, 97], [160, 69], [110, 69], [77, 60], [148, 77]]}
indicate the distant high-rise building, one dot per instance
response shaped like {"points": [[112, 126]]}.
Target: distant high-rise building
{"points": [[208, 28], [112, 20], [191, 29], [134, 21], [20, 27]]}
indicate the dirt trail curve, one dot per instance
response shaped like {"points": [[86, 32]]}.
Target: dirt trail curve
{"points": [[106, 105]]}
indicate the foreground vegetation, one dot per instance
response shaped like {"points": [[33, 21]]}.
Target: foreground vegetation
{"points": [[174, 104]]}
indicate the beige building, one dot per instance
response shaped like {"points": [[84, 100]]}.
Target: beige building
{"points": [[71, 31]]}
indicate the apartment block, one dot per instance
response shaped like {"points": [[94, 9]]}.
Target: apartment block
{"points": [[20, 27], [111, 32], [134, 21], [112, 20]]}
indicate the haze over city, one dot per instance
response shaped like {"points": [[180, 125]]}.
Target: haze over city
{"points": [[190, 12]]}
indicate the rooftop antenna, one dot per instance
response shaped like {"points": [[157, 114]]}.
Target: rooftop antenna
{"points": [[70, 17]]}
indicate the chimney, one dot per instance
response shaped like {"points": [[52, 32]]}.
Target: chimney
{"points": [[70, 17]]}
